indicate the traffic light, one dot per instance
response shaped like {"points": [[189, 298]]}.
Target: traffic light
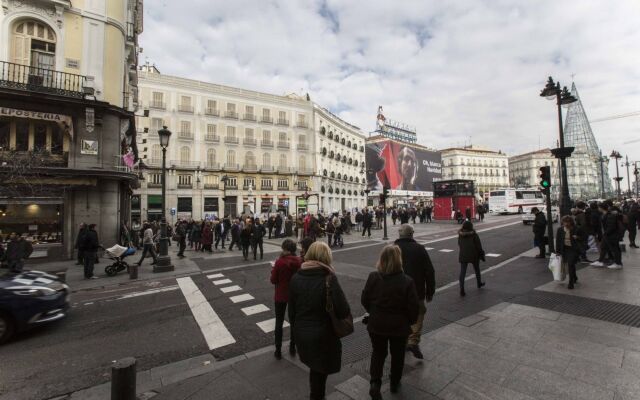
{"points": [[545, 178], [381, 200]]}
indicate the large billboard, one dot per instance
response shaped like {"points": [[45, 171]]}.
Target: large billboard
{"points": [[405, 169]]}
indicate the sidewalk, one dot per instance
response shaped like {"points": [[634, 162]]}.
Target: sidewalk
{"points": [[490, 351]]}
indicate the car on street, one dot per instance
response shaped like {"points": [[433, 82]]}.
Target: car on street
{"points": [[29, 299], [528, 217]]}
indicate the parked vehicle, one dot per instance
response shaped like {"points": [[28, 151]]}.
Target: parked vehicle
{"points": [[28, 299], [528, 218], [511, 201]]}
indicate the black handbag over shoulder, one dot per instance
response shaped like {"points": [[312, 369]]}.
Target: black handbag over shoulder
{"points": [[341, 327]]}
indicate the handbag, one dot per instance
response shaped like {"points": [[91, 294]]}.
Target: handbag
{"points": [[341, 327], [555, 265]]}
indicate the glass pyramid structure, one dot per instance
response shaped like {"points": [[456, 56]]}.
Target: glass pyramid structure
{"points": [[583, 168]]}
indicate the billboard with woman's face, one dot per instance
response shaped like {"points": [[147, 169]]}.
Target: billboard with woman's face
{"points": [[402, 168]]}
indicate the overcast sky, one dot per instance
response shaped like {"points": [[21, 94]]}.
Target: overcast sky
{"points": [[457, 70]]}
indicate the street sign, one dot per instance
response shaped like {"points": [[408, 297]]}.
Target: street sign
{"points": [[173, 211], [285, 203]]}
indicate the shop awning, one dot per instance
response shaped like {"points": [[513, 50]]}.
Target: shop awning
{"points": [[64, 121]]}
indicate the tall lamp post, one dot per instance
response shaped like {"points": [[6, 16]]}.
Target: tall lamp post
{"points": [[615, 154], [224, 180], [163, 263], [602, 160], [563, 97], [636, 173], [366, 193], [627, 164]]}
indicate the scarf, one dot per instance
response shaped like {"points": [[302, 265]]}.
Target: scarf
{"points": [[317, 264]]}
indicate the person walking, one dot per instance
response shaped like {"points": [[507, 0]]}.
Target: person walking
{"points": [[147, 245], [539, 226], [246, 235], [610, 237], [258, 237], [394, 216], [318, 346], [367, 221], [181, 236], [207, 237], [235, 234], [471, 252], [330, 229], [467, 213], [633, 219], [79, 239], [90, 248], [390, 298], [569, 242], [416, 263], [270, 225], [283, 270], [18, 250], [481, 212]]}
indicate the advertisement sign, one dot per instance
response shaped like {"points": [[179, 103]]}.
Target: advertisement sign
{"points": [[89, 147], [405, 169]]}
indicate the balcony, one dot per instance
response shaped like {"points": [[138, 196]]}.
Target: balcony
{"points": [[302, 146], [283, 187], [231, 114], [249, 117], [266, 119], [185, 135], [157, 105], [266, 187], [283, 170], [231, 167], [282, 121], [250, 168], [232, 139], [211, 138], [250, 142], [24, 77], [152, 185], [266, 143], [211, 186], [305, 171], [283, 145], [230, 186], [185, 186], [212, 112], [302, 124], [182, 164], [212, 166], [266, 168], [185, 108]]}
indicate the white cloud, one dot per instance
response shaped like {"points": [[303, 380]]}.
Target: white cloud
{"points": [[452, 69]]}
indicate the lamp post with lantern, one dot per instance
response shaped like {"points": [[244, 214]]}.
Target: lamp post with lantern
{"points": [[616, 155], [163, 263]]}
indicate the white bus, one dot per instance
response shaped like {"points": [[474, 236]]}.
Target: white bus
{"points": [[509, 200]]}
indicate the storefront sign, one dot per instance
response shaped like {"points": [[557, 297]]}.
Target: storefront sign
{"points": [[266, 204], [89, 147], [63, 120], [302, 203]]}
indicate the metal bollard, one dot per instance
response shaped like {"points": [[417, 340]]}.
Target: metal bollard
{"points": [[123, 379], [133, 271]]}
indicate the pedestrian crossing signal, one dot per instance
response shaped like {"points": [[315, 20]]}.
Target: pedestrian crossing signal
{"points": [[545, 177]]}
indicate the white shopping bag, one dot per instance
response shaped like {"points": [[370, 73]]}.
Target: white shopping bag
{"points": [[555, 265]]}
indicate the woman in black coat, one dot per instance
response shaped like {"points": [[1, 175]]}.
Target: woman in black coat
{"points": [[391, 299], [318, 346], [568, 241], [470, 253]]}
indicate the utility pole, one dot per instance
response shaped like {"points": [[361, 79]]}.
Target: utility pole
{"points": [[628, 179]]}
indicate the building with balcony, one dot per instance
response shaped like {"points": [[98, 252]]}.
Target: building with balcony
{"points": [[524, 170], [487, 168], [253, 149], [340, 158], [67, 118]]}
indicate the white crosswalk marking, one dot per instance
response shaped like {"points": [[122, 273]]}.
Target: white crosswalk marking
{"points": [[255, 309], [446, 250], [215, 276], [213, 329], [493, 255], [221, 282], [428, 248], [241, 298], [230, 289], [270, 325]]}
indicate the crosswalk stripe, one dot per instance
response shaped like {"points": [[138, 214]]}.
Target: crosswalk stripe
{"points": [[213, 329], [241, 298], [215, 276], [446, 250], [221, 282], [270, 325], [255, 309], [493, 255], [428, 248], [230, 289]]}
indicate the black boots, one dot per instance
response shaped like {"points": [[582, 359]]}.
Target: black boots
{"points": [[374, 391]]}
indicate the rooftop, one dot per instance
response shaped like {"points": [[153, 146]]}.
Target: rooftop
{"points": [[472, 149]]}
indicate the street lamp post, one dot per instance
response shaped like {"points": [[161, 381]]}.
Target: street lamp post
{"points": [[636, 173], [618, 178], [627, 164], [602, 159], [163, 263], [366, 193], [563, 97], [224, 180]]}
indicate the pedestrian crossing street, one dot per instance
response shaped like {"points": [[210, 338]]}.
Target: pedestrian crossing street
{"points": [[212, 327], [492, 255]]}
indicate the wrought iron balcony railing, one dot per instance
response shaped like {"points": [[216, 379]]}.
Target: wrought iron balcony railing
{"points": [[283, 121], [266, 143], [249, 117], [25, 77], [185, 108], [212, 111], [211, 138]]}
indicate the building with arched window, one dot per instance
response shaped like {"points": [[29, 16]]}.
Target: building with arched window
{"points": [[68, 116]]}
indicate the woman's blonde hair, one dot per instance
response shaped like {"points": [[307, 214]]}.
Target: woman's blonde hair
{"points": [[319, 251], [390, 260]]}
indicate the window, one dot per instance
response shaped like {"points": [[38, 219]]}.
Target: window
{"points": [[266, 113], [302, 139], [249, 159], [184, 204], [302, 163], [156, 124], [156, 152], [185, 103], [184, 180], [210, 180], [212, 130], [283, 183], [212, 104], [231, 131], [248, 133], [185, 127], [157, 100], [231, 107], [231, 157], [266, 160], [5, 132], [34, 44], [185, 154], [155, 179], [39, 137], [249, 182], [248, 110], [266, 182], [302, 119], [283, 161], [282, 137], [282, 115], [211, 157], [211, 204], [266, 136], [22, 136], [232, 182]]}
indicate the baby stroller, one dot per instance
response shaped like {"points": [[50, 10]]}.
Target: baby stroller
{"points": [[117, 253]]}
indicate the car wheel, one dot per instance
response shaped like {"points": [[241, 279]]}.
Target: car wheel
{"points": [[7, 327]]}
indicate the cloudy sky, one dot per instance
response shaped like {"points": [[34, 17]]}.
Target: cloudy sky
{"points": [[459, 71]]}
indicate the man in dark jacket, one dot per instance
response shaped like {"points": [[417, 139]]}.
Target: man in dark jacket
{"points": [[539, 226], [367, 221], [181, 236], [632, 223], [610, 237], [582, 224], [18, 250], [257, 238], [79, 239], [235, 234], [90, 246], [417, 264]]}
